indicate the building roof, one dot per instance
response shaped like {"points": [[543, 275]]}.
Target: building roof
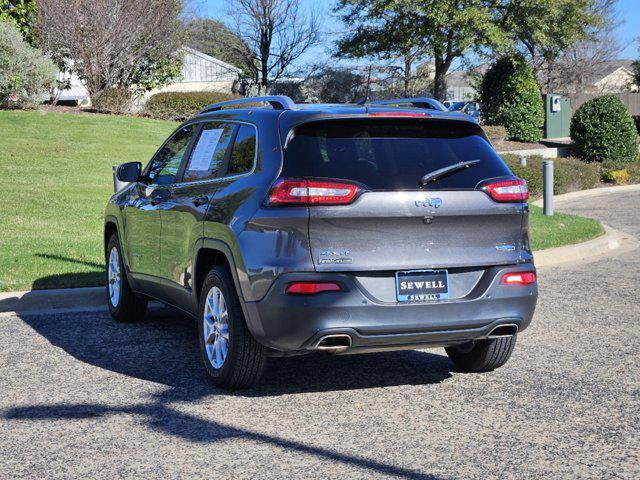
{"points": [[209, 58], [596, 73], [604, 69]]}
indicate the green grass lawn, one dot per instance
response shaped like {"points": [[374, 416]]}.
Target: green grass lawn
{"points": [[560, 229], [56, 180]]}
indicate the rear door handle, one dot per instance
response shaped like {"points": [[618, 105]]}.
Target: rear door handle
{"points": [[201, 200]]}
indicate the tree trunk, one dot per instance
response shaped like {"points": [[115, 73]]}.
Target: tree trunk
{"points": [[440, 79], [265, 51], [407, 74]]}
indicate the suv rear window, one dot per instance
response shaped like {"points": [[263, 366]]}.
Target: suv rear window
{"points": [[391, 154]]}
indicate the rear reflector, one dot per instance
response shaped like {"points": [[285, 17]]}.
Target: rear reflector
{"points": [[311, 288], [519, 278], [312, 192], [508, 190]]}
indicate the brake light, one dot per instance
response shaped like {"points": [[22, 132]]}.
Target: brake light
{"points": [[311, 288], [519, 278], [399, 114], [508, 190], [312, 192]]}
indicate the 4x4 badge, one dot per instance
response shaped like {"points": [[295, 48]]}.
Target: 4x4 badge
{"points": [[433, 202]]}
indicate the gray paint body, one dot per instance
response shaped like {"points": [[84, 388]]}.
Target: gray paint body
{"points": [[477, 239]]}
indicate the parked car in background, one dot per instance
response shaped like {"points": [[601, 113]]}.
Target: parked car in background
{"points": [[470, 108], [334, 228]]}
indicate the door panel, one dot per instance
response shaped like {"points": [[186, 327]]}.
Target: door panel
{"points": [[182, 226], [183, 213], [142, 231], [142, 221]]}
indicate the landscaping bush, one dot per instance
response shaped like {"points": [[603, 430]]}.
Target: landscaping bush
{"points": [[181, 105], [495, 133], [113, 100], [24, 71], [570, 174], [620, 173], [510, 96], [602, 129]]}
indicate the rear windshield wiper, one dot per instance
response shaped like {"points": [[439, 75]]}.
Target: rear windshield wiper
{"points": [[441, 172]]}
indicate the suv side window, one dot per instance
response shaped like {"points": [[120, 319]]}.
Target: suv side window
{"points": [[165, 165], [209, 152], [244, 151]]}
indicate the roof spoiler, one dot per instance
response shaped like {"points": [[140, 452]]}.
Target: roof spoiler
{"points": [[417, 102], [278, 102]]}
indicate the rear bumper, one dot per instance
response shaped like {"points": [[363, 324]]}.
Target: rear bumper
{"points": [[296, 323]]}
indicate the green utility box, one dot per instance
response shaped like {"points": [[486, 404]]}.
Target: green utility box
{"points": [[557, 116]]}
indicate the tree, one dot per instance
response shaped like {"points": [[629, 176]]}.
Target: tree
{"points": [[22, 13], [573, 71], [444, 29], [216, 39], [335, 85], [545, 30], [510, 97], [390, 35], [635, 67], [277, 33], [24, 71], [113, 43]]}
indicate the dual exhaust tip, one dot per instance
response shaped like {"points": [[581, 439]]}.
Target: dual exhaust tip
{"points": [[505, 330], [335, 343], [339, 342]]}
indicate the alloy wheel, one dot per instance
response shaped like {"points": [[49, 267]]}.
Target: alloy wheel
{"points": [[216, 327], [114, 279]]}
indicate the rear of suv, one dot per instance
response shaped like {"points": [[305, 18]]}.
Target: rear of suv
{"points": [[338, 228]]}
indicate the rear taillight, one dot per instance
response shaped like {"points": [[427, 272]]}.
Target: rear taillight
{"points": [[312, 192], [519, 278], [507, 190], [311, 288]]}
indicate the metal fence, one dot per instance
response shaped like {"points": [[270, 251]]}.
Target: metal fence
{"points": [[631, 100]]}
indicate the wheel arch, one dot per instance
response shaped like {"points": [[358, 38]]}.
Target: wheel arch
{"points": [[209, 253], [110, 227]]}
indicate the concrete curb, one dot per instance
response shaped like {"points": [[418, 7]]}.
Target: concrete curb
{"points": [[64, 300], [550, 152], [590, 250], [594, 192]]}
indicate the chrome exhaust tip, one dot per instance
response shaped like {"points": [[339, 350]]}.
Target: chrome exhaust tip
{"points": [[336, 343], [505, 330]]}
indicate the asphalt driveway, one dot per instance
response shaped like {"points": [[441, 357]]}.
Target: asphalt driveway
{"points": [[83, 397]]}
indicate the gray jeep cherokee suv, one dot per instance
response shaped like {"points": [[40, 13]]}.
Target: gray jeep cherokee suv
{"points": [[337, 228]]}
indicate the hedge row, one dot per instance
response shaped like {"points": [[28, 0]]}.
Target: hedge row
{"points": [[570, 174], [180, 106]]}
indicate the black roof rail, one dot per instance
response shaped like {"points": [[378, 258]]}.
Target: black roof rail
{"points": [[418, 102], [278, 102]]}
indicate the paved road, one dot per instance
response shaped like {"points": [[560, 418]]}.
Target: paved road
{"points": [[82, 397]]}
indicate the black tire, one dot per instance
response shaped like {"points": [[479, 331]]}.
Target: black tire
{"points": [[482, 355], [245, 358], [129, 306]]}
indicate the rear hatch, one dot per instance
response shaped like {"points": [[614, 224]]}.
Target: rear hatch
{"points": [[390, 221]]}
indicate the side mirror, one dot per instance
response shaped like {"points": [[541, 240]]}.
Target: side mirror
{"points": [[129, 172]]}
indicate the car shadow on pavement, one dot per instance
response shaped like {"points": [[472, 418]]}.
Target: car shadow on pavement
{"points": [[163, 418], [164, 349]]}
